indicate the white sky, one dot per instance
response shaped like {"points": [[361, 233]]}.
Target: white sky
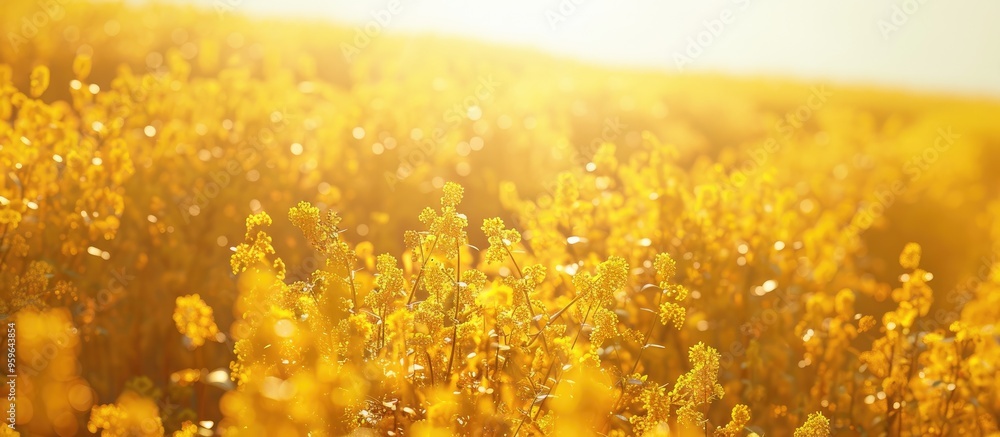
{"points": [[944, 45]]}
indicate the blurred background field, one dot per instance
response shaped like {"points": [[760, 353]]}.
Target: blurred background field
{"points": [[135, 140]]}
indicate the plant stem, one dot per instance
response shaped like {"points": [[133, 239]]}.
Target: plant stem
{"points": [[420, 274], [454, 334]]}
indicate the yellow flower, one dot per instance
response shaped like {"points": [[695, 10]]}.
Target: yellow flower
{"points": [[6, 431], [124, 185], [932, 337], [188, 429], [698, 386], [605, 327], [816, 426], [81, 66], [10, 217], [665, 267], [500, 239], [39, 80], [452, 195], [910, 257], [866, 323], [672, 314], [194, 319], [740, 417]]}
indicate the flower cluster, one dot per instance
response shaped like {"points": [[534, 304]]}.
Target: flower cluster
{"points": [[653, 258], [195, 320]]}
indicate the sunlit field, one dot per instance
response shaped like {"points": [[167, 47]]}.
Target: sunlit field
{"points": [[270, 227]]}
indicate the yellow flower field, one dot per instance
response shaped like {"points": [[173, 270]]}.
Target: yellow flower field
{"points": [[219, 225]]}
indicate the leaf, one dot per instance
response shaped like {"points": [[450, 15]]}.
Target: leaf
{"points": [[648, 286], [541, 398]]}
